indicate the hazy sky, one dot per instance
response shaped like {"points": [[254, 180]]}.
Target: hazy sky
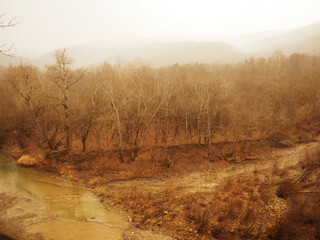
{"points": [[46, 25]]}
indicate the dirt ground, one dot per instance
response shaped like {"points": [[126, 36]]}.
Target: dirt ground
{"points": [[233, 201], [229, 196], [13, 227]]}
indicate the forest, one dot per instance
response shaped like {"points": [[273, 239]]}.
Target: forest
{"points": [[129, 107], [107, 125], [159, 120]]}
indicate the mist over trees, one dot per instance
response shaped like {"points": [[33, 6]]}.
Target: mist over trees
{"points": [[4, 48], [126, 108]]}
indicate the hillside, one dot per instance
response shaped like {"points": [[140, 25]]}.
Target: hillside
{"points": [[310, 45], [302, 40], [185, 49], [157, 54]]}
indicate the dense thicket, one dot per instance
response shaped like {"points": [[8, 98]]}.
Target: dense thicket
{"points": [[128, 107]]}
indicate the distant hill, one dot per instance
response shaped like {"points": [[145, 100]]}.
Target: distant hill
{"points": [[247, 39], [185, 49], [83, 55], [159, 54], [156, 54], [310, 45], [302, 40]]}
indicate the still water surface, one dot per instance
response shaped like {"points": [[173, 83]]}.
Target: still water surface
{"points": [[56, 207]]}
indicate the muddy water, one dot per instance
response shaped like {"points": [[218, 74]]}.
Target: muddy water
{"points": [[50, 207]]}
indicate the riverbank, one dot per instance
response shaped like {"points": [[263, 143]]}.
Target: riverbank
{"points": [[13, 227], [37, 205], [194, 198], [242, 201], [94, 168]]}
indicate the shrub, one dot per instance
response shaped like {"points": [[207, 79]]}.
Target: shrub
{"points": [[286, 188], [301, 221]]}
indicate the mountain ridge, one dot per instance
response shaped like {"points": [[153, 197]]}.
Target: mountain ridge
{"points": [[159, 53]]}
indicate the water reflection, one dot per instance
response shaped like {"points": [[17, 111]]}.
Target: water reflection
{"points": [[57, 208], [55, 196]]}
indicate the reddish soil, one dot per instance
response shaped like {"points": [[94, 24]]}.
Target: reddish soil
{"points": [[179, 190]]}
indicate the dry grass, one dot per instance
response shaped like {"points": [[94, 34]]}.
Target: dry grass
{"points": [[261, 205], [301, 221], [302, 218], [151, 162], [287, 188], [236, 210], [311, 158]]}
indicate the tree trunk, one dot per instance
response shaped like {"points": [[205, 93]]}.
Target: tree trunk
{"points": [[209, 132], [67, 120]]}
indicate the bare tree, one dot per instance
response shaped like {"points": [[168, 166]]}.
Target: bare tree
{"points": [[148, 94], [88, 105], [24, 79], [64, 78], [4, 49], [209, 97], [110, 78]]}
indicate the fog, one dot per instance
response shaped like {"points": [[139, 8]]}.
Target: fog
{"points": [[160, 119], [47, 25]]}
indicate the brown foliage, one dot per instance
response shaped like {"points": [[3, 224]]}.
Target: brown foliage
{"points": [[301, 221], [287, 188], [234, 211], [128, 108], [302, 217]]}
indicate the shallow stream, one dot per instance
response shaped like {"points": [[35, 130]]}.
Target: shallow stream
{"points": [[55, 208]]}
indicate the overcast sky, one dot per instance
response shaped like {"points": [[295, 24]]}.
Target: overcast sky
{"points": [[46, 25]]}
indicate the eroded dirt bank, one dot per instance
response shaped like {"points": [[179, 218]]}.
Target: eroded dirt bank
{"points": [[39, 205], [235, 201], [208, 179], [175, 205]]}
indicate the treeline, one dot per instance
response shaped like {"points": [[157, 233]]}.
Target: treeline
{"points": [[124, 108]]}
